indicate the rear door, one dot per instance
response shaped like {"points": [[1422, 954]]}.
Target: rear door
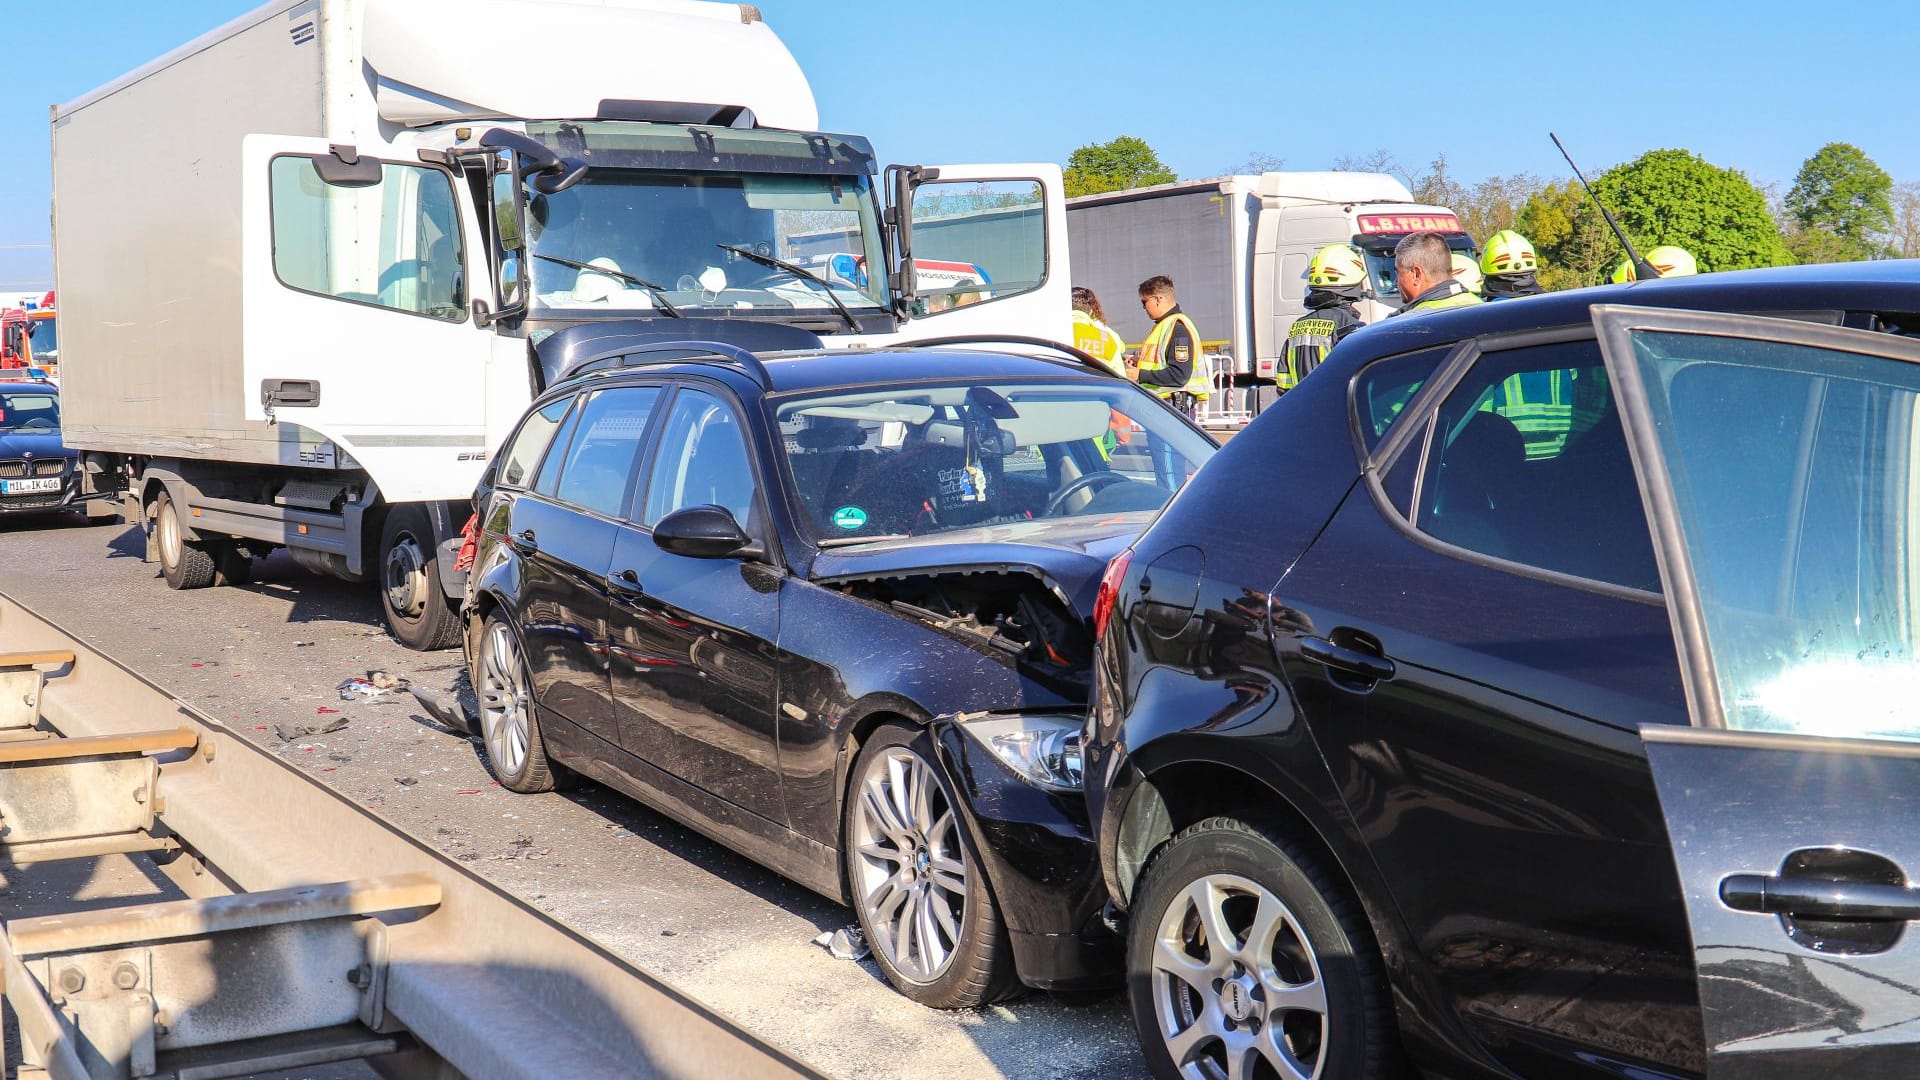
{"points": [[1780, 467], [983, 249]]}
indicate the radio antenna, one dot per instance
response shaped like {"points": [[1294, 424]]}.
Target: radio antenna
{"points": [[1642, 269]]}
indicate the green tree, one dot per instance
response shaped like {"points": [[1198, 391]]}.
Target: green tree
{"points": [[1841, 202], [1121, 163], [1669, 197], [1572, 246]]}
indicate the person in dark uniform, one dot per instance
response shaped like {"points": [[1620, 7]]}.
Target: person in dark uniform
{"points": [[1169, 363]]}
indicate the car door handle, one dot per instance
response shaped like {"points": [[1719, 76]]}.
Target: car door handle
{"points": [[626, 581], [525, 543], [1817, 899], [1344, 659]]}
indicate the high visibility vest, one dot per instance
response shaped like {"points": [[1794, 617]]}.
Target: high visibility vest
{"points": [[1098, 340], [1459, 299], [1153, 358]]}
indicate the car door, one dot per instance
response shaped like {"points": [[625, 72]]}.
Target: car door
{"points": [[1792, 571], [691, 640], [563, 531], [1473, 639]]}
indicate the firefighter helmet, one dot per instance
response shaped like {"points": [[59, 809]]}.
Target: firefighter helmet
{"points": [[1508, 253], [1336, 265]]}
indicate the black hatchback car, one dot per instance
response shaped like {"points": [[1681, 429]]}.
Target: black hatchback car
{"points": [[1532, 692], [832, 609]]}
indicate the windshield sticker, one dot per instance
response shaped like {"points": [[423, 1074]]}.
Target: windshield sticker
{"points": [[850, 517]]}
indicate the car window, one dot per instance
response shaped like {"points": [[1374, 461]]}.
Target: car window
{"points": [[702, 460], [605, 451], [516, 470], [1527, 461], [1384, 388]]}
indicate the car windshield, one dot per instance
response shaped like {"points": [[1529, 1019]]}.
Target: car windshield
{"points": [[1801, 516], [29, 410], [919, 459], [1379, 253], [46, 345]]}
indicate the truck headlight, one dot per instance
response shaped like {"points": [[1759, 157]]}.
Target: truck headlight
{"points": [[1043, 748]]}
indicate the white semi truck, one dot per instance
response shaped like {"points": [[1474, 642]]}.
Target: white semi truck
{"points": [[307, 262], [1237, 249]]}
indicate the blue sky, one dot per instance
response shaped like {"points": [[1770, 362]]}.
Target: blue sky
{"points": [[1756, 85]]}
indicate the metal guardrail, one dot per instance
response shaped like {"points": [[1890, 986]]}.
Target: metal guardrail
{"points": [[308, 930]]}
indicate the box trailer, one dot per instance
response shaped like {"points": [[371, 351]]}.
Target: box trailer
{"points": [[308, 261], [1237, 249]]}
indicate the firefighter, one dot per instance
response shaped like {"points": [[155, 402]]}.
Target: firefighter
{"points": [[1092, 335], [1336, 278], [1669, 260], [1423, 269], [1508, 267], [1169, 363], [1466, 272]]}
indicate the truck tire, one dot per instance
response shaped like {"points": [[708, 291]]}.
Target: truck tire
{"points": [[186, 564], [419, 614]]}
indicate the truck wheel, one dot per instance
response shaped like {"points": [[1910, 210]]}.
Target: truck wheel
{"points": [[186, 564], [418, 612]]}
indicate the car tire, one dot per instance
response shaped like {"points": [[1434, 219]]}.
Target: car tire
{"points": [[186, 564], [509, 724], [917, 885], [419, 614], [1194, 1004]]}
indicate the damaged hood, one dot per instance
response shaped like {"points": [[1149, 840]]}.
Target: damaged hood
{"points": [[1070, 553]]}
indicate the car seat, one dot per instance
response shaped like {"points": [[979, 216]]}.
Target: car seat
{"points": [[1476, 484]]}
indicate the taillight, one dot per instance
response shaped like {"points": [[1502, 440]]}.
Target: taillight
{"points": [[469, 545], [1109, 594]]}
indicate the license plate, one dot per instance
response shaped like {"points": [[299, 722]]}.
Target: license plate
{"points": [[22, 487]]}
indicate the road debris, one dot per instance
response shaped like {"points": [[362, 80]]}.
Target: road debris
{"points": [[406, 781], [292, 732], [846, 943]]}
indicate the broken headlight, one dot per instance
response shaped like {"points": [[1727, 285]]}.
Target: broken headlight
{"points": [[1043, 748]]}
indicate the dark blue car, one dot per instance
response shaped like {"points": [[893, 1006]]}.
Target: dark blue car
{"points": [[37, 474], [832, 609]]}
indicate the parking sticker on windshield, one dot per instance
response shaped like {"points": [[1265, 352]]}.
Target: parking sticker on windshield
{"points": [[849, 517]]}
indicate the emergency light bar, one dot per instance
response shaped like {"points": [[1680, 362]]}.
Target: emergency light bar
{"points": [[1407, 223]]}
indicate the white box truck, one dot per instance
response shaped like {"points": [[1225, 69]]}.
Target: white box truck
{"points": [[1237, 249], [307, 263]]}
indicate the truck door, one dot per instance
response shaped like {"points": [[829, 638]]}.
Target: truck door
{"points": [[1779, 463], [982, 249], [357, 340]]}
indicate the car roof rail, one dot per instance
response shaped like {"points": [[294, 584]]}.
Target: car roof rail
{"points": [[671, 352], [1082, 358]]}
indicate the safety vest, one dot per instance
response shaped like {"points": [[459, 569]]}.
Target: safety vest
{"points": [[1098, 340], [1153, 357], [1458, 296]]}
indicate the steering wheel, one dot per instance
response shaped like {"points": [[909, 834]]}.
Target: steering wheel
{"points": [[1092, 479], [38, 421]]}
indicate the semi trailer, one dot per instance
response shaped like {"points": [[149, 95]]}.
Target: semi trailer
{"points": [[1237, 249], [307, 262]]}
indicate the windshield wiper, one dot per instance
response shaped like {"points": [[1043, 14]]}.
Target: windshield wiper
{"points": [[847, 541], [800, 272], [659, 293]]}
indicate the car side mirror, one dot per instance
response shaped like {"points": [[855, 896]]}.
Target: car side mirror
{"points": [[701, 532]]}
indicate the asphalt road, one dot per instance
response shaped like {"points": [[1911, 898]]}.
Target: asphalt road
{"points": [[717, 926]]}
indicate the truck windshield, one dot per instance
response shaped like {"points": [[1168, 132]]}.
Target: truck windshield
{"points": [[1379, 253], [673, 228], [46, 346]]}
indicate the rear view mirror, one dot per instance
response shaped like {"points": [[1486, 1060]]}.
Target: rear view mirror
{"points": [[701, 532]]}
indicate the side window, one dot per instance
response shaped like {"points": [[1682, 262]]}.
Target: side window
{"points": [[1526, 461], [1384, 388], [394, 243], [978, 240], [605, 452], [702, 460], [524, 453]]}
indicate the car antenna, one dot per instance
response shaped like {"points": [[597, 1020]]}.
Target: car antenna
{"points": [[1642, 269]]}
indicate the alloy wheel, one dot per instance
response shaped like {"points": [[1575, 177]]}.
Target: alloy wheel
{"points": [[169, 528], [505, 700], [1236, 985], [910, 872]]}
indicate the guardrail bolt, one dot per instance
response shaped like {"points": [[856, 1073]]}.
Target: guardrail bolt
{"points": [[360, 976], [126, 976], [71, 980], [140, 795]]}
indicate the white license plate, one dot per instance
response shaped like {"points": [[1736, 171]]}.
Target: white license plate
{"points": [[22, 487]]}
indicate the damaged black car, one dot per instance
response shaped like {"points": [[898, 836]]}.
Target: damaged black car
{"points": [[833, 610]]}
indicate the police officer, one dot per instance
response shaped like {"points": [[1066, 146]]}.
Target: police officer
{"points": [[1169, 364], [1423, 269], [1336, 278], [1669, 260], [1466, 272], [1508, 267], [1092, 335]]}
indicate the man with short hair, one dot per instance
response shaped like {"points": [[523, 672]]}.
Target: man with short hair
{"points": [[1169, 363], [1423, 269]]}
